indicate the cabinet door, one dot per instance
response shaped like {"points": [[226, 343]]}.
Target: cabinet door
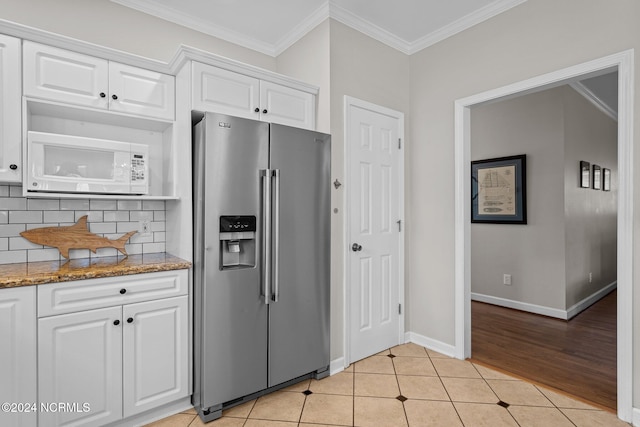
{"points": [[60, 75], [155, 360], [143, 92], [226, 92], [18, 353], [80, 364], [10, 107], [287, 106]]}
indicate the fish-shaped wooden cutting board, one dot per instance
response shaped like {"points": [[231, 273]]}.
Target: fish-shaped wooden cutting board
{"points": [[75, 236]]}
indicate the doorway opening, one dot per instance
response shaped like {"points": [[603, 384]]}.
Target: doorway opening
{"points": [[623, 64]]}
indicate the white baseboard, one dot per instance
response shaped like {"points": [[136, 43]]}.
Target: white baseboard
{"points": [[523, 306], [547, 311], [636, 417], [591, 299], [431, 344], [336, 366]]}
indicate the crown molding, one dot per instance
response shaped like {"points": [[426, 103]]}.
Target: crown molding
{"points": [[329, 9], [197, 24], [357, 23], [467, 21], [304, 27], [594, 99]]}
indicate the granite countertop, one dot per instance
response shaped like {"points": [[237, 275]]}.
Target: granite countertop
{"points": [[35, 273]]}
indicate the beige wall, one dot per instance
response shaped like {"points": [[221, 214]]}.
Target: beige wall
{"points": [[571, 231], [534, 253], [537, 37], [109, 24]]}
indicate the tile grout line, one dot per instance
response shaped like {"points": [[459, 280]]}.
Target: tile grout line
{"points": [[445, 389], [495, 394], [395, 372]]}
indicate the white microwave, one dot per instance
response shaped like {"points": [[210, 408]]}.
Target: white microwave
{"points": [[74, 164]]}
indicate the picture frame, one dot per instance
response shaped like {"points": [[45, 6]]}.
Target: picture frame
{"points": [[597, 177], [498, 190], [585, 174], [606, 179]]}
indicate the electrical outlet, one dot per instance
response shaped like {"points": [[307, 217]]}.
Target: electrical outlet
{"points": [[506, 279], [590, 277], [144, 227]]}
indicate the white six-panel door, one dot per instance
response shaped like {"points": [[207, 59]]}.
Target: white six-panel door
{"points": [[374, 209]]}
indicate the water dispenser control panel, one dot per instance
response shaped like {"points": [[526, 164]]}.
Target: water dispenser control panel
{"points": [[229, 224], [237, 241]]}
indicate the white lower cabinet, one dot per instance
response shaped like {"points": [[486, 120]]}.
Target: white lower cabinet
{"points": [[108, 364], [18, 386]]}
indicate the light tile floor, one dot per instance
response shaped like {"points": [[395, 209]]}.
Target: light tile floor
{"points": [[409, 385]]}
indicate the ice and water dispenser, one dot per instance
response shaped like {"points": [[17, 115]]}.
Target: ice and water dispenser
{"points": [[237, 242]]}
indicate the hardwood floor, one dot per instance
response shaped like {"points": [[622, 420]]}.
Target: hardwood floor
{"points": [[576, 356]]}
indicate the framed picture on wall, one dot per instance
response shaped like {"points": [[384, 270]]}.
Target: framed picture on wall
{"points": [[606, 179], [585, 174], [597, 177], [498, 190]]}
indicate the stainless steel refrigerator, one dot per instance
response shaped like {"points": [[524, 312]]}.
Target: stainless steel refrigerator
{"points": [[261, 259]]}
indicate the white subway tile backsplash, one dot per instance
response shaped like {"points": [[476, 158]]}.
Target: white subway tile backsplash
{"points": [[153, 205], [73, 205], [43, 255], [150, 248], [12, 257], [102, 227], [13, 204], [125, 227], [19, 243], [25, 217], [11, 230], [103, 205], [129, 205], [59, 216], [116, 216], [43, 204], [15, 191], [110, 218], [141, 216]]}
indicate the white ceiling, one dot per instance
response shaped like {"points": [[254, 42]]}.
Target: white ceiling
{"points": [[272, 26]]}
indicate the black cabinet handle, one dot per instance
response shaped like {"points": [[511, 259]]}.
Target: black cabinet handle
{"points": [[123, 291], [264, 111], [103, 95], [130, 320], [13, 167], [257, 110], [114, 97], [116, 322]]}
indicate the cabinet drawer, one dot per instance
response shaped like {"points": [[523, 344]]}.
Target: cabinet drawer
{"points": [[68, 297]]}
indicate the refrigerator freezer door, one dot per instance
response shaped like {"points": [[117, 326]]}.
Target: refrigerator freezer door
{"points": [[299, 311], [231, 360]]}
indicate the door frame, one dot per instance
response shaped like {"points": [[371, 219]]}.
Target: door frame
{"points": [[350, 102], [623, 62]]}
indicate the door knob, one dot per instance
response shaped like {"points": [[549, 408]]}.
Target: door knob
{"points": [[356, 247]]}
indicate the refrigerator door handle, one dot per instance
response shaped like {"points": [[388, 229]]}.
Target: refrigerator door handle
{"points": [[275, 256], [265, 267]]}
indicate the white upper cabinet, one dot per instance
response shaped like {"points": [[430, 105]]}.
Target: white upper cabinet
{"points": [[60, 75], [137, 91], [227, 92], [287, 106], [10, 107]]}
